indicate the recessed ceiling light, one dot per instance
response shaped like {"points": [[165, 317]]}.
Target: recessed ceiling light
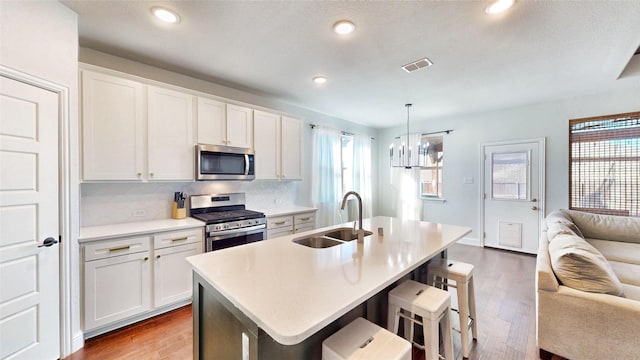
{"points": [[319, 80], [165, 15], [344, 27], [499, 6]]}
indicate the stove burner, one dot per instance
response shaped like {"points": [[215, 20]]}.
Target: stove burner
{"points": [[215, 217]]}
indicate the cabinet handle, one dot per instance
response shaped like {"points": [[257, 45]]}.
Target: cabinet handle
{"points": [[150, 174], [279, 223], [146, 258], [126, 247], [180, 239], [139, 174], [157, 256], [282, 176], [305, 219]]}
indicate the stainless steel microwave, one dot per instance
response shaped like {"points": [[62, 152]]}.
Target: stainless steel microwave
{"points": [[224, 163]]}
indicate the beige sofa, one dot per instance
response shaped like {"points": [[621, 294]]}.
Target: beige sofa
{"points": [[584, 320]]}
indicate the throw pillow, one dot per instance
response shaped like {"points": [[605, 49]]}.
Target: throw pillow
{"points": [[581, 266]]}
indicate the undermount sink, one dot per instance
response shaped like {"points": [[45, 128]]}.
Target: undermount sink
{"points": [[317, 242], [345, 234], [329, 238]]}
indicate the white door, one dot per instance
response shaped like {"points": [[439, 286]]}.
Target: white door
{"points": [[212, 122], [239, 126], [172, 273], [29, 277], [513, 194]]}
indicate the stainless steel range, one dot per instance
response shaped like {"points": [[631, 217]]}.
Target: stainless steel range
{"points": [[228, 222]]}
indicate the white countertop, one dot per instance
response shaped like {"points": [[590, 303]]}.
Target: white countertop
{"points": [[292, 291], [287, 210], [102, 232]]}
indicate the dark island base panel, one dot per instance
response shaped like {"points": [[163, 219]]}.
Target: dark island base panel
{"points": [[219, 328]]}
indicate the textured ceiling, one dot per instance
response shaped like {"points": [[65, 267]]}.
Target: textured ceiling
{"points": [[539, 51]]}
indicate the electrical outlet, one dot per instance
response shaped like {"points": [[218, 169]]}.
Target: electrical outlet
{"points": [[139, 213]]}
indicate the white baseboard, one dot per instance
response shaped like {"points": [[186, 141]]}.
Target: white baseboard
{"points": [[77, 342], [469, 241]]}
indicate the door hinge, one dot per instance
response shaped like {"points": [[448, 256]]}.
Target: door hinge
{"points": [[59, 239], [485, 196], [484, 235]]}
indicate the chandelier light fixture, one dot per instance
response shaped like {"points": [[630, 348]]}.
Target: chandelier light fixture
{"points": [[403, 154]]}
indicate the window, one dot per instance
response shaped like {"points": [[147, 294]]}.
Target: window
{"points": [[604, 164], [346, 156], [509, 175], [431, 164]]}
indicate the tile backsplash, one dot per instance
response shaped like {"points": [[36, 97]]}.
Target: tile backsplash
{"points": [[111, 203]]}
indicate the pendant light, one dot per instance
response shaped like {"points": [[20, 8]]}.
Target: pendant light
{"points": [[405, 156]]}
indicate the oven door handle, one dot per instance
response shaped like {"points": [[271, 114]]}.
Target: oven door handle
{"points": [[220, 235]]}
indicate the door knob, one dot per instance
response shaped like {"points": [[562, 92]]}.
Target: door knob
{"points": [[534, 208], [534, 200], [48, 242]]}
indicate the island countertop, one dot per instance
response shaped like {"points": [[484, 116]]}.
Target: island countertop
{"points": [[291, 291]]}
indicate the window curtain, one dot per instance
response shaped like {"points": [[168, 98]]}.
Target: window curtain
{"points": [[326, 175], [362, 172]]}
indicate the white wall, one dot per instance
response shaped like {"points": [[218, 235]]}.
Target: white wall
{"points": [[40, 38], [109, 203], [462, 151]]}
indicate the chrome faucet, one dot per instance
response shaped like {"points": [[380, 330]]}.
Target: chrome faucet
{"points": [[344, 202]]}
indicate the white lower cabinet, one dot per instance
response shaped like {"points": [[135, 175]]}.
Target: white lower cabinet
{"points": [[131, 278], [172, 273], [290, 224]]}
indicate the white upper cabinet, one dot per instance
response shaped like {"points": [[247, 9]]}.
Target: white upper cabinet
{"points": [[239, 126], [278, 147], [291, 135], [117, 122], [170, 135], [112, 128], [212, 122], [224, 124], [267, 145]]}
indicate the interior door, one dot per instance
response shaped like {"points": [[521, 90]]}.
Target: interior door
{"points": [[513, 195], [29, 265]]}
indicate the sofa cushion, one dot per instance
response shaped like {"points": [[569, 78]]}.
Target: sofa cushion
{"points": [[626, 273], [559, 222], [617, 251], [631, 292], [615, 228], [579, 265]]}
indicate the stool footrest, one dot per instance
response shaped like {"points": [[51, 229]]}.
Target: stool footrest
{"points": [[402, 315]]}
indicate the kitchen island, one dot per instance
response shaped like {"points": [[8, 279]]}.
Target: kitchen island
{"points": [[277, 299]]}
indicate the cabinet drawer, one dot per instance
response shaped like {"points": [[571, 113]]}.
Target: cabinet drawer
{"points": [[280, 221], [305, 218], [116, 247], [302, 228], [271, 234], [174, 238]]}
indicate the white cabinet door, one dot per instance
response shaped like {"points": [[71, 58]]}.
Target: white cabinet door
{"points": [[212, 122], [291, 148], [267, 145], [113, 128], [172, 273], [116, 288], [239, 126], [170, 135]]}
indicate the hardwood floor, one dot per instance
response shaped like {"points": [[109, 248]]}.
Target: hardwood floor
{"points": [[505, 301]]}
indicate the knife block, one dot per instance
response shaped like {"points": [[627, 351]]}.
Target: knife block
{"points": [[178, 213]]}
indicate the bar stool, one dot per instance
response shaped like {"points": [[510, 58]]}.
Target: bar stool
{"points": [[362, 339], [440, 272], [412, 298]]}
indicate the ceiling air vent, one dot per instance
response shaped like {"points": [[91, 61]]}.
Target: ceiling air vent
{"points": [[418, 64]]}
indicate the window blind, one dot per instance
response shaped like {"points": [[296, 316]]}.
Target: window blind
{"points": [[604, 164]]}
